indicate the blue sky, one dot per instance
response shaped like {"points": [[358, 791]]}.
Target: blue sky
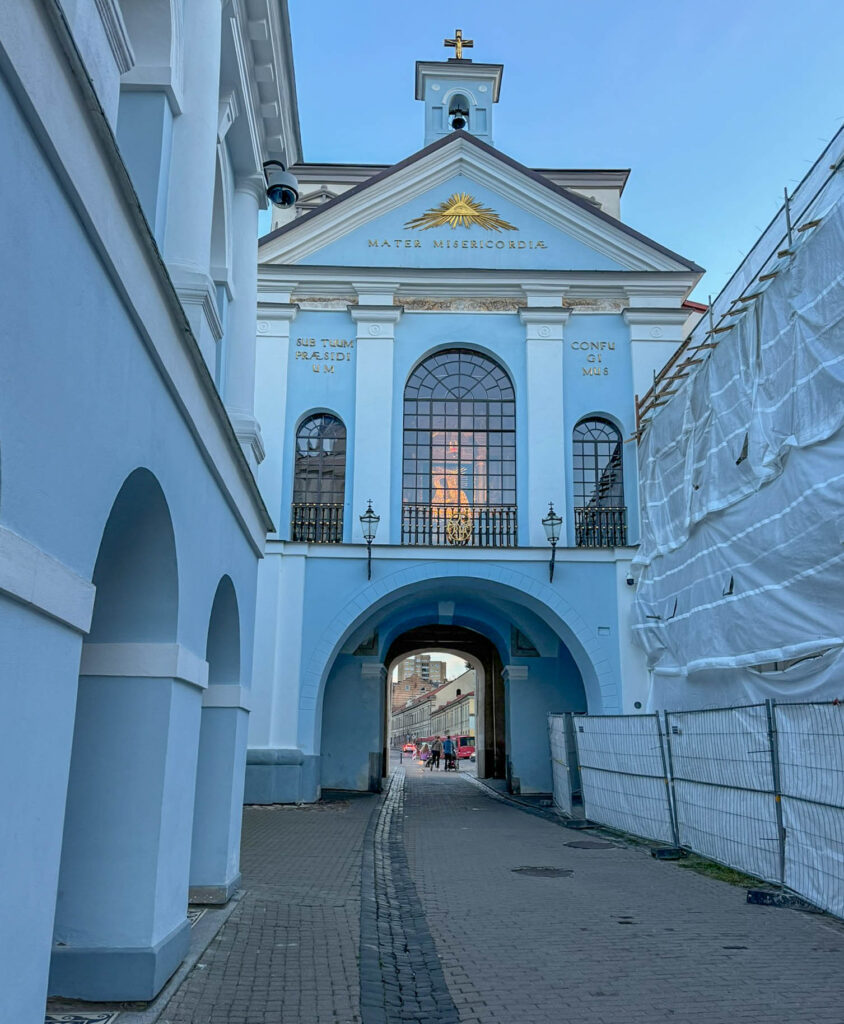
{"points": [[714, 106]]}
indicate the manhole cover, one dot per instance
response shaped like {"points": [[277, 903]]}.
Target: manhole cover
{"points": [[591, 844], [543, 872]]}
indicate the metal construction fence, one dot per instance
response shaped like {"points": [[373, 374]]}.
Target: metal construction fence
{"points": [[759, 788]]}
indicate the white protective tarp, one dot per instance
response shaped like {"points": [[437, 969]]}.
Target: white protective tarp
{"points": [[741, 562]]}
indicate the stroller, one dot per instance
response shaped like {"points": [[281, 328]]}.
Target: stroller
{"points": [[450, 762]]}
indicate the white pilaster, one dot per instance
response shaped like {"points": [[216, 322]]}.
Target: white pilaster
{"points": [[271, 360], [655, 333], [373, 414], [239, 388], [546, 446], [187, 239]]}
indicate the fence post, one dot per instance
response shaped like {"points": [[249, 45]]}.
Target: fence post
{"points": [[668, 775], [773, 741], [576, 753]]}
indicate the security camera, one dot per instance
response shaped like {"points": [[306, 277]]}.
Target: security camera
{"points": [[630, 581], [282, 187]]}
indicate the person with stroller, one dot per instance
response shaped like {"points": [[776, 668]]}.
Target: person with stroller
{"points": [[450, 754], [436, 753]]}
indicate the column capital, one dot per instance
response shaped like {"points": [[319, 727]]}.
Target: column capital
{"points": [[376, 321], [515, 673], [275, 318], [544, 323], [248, 432], [655, 324], [252, 185]]}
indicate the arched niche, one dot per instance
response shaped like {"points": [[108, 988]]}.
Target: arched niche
{"points": [[223, 646], [136, 573]]}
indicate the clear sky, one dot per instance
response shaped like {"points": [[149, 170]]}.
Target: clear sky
{"points": [[714, 106]]}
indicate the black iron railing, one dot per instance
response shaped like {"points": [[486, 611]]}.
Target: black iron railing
{"points": [[316, 523], [600, 527], [467, 526]]}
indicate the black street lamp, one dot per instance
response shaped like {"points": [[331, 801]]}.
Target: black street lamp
{"points": [[552, 523], [369, 524]]}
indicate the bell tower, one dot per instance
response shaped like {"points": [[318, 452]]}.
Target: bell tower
{"points": [[458, 94]]}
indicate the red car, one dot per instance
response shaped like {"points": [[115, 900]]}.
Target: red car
{"points": [[409, 748], [465, 747]]}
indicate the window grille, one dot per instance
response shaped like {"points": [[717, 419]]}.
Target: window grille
{"points": [[600, 515], [459, 452], [319, 481]]}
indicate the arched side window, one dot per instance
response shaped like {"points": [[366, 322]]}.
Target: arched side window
{"points": [[600, 515], [459, 451], [319, 481]]}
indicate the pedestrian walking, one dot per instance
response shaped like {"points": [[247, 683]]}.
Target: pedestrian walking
{"points": [[436, 752], [450, 754]]}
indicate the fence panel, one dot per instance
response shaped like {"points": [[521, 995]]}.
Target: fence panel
{"points": [[623, 774], [724, 787], [560, 762], [811, 752]]}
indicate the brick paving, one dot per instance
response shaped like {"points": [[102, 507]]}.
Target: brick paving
{"points": [[448, 931]]}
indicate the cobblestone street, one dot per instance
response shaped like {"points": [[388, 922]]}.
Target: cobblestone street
{"points": [[450, 929]]}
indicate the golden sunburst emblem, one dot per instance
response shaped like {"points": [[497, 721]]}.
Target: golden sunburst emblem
{"points": [[460, 210]]}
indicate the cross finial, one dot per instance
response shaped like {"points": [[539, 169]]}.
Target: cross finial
{"points": [[458, 43]]}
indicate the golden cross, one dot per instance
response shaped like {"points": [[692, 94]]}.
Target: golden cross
{"points": [[458, 43]]}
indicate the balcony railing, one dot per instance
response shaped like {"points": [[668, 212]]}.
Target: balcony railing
{"points": [[467, 526], [316, 523], [600, 527]]}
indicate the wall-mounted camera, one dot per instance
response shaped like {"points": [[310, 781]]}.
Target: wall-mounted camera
{"points": [[282, 186], [630, 581]]}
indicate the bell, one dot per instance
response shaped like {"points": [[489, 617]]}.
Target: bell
{"points": [[458, 122]]}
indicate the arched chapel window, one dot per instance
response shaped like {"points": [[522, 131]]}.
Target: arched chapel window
{"points": [[459, 466], [599, 511], [319, 480]]}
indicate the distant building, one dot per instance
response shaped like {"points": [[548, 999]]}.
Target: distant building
{"points": [[450, 708], [414, 676]]}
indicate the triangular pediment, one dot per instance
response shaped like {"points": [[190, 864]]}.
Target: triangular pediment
{"points": [[461, 203]]}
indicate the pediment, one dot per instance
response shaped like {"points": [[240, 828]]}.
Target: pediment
{"points": [[461, 203]]}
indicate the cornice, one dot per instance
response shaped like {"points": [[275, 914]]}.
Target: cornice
{"points": [[118, 37], [458, 69], [658, 315], [544, 315]]}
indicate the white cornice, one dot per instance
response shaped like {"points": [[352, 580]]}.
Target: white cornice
{"points": [[118, 37], [276, 283], [307, 237], [456, 70]]}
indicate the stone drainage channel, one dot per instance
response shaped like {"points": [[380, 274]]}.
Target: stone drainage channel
{"points": [[401, 978]]}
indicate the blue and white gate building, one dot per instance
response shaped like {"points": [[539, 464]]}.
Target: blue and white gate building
{"points": [[458, 340]]}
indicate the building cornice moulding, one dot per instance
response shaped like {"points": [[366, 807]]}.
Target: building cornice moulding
{"points": [[115, 30]]}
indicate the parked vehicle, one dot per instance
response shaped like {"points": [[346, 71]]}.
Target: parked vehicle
{"points": [[409, 748], [465, 747]]}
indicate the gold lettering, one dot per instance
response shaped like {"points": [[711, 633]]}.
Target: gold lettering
{"points": [[512, 245], [541, 245], [417, 244], [522, 244], [499, 245], [438, 244]]}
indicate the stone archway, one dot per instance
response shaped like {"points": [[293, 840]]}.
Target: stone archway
{"points": [[491, 712]]}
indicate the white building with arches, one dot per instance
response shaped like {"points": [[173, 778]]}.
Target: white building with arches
{"points": [[131, 526], [459, 339]]}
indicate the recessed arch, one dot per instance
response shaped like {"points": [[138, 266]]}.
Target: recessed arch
{"points": [[319, 479], [599, 680], [136, 571], [459, 451], [222, 650], [598, 482]]}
